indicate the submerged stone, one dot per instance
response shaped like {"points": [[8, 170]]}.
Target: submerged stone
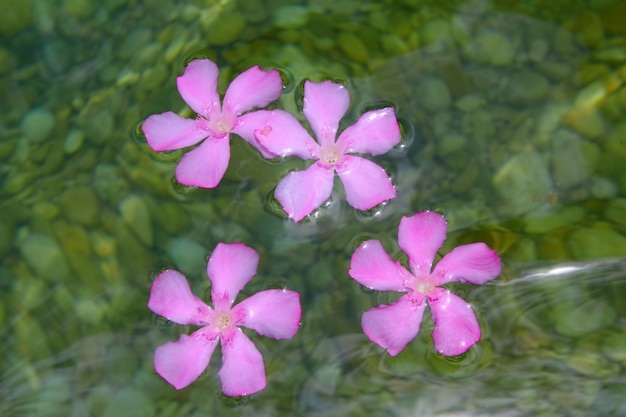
{"points": [[73, 141], [82, 9], [37, 124], [577, 319], [526, 87], [8, 61], [7, 233], [566, 216], [80, 205], [437, 31], [521, 191], [226, 29], [588, 28], [353, 47], [15, 16], [137, 216], [30, 339], [569, 165], [43, 254], [130, 402], [604, 188], [470, 103], [615, 211], [586, 120], [594, 243], [450, 143], [76, 246], [291, 16], [434, 95], [188, 255], [495, 48], [613, 347], [591, 95], [54, 395], [613, 19]]}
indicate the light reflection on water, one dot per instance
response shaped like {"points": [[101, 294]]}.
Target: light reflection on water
{"points": [[552, 323]]}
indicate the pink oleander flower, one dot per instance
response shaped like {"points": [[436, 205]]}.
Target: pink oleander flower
{"points": [[420, 236], [273, 313], [205, 165], [366, 184]]}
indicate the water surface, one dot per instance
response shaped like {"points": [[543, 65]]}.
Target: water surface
{"points": [[513, 125]]}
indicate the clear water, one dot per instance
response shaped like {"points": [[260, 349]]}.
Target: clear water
{"points": [[514, 129]]}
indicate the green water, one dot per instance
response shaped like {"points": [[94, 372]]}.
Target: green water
{"points": [[513, 114]]}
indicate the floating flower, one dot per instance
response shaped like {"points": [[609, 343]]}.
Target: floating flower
{"points": [[366, 184], [205, 165], [273, 313], [420, 236]]}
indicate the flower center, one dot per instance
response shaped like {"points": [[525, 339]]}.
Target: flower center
{"points": [[330, 153], [221, 124], [222, 321], [422, 284]]}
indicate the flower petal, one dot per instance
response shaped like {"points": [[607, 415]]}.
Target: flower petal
{"points": [[243, 370], [372, 267], [230, 267], [251, 89], [301, 192], [273, 313], [475, 263], [180, 363], [205, 165], [283, 135], [171, 297], [456, 326], [325, 104], [366, 184], [420, 237], [198, 86], [392, 327], [167, 131], [248, 124], [375, 133]]}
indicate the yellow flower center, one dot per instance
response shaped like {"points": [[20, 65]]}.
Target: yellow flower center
{"points": [[424, 286], [221, 123], [222, 321], [330, 154]]}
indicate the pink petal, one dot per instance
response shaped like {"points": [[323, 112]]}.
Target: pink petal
{"points": [[366, 184], [475, 263], [205, 165], [375, 133], [230, 267], [325, 104], [171, 297], [167, 131], [248, 124], [283, 135], [243, 370], [180, 363], [420, 237], [251, 89], [456, 326], [372, 267], [273, 313], [392, 327], [198, 86], [301, 192]]}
